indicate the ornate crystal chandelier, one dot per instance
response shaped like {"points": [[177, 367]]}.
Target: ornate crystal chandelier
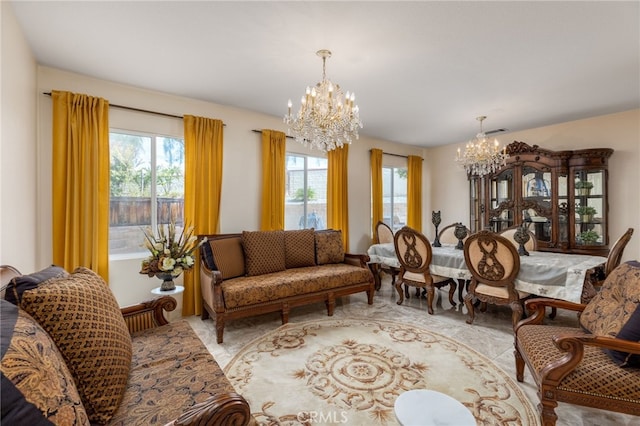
{"points": [[327, 118], [482, 156]]}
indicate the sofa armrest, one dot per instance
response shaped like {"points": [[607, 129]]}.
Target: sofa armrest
{"points": [[224, 409], [573, 345], [148, 314], [536, 308], [360, 260], [211, 287]]}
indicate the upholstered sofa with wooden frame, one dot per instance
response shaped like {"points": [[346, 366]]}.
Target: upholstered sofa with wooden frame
{"points": [[71, 356], [596, 365], [257, 272]]}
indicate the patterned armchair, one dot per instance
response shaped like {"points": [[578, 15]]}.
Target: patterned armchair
{"points": [[597, 365]]}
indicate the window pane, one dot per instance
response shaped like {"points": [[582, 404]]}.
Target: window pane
{"points": [[394, 197], [387, 195], [306, 192], [147, 187], [170, 180], [400, 198]]}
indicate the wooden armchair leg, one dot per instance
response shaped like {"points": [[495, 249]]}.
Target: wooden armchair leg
{"points": [[519, 365], [516, 314], [547, 412]]}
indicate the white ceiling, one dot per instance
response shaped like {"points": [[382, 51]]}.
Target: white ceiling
{"points": [[421, 71]]}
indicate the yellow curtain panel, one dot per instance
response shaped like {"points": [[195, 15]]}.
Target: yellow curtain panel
{"points": [[337, 192], [414, 192], [376, 188], [202, 189], [80, 182], [274, 144]]}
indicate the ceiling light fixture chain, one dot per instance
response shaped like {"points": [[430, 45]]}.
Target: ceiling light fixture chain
{"points": [[482, 156], [327, 118]]}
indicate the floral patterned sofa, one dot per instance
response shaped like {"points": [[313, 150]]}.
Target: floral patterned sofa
{"points": [[71, 356], [257, 272]]}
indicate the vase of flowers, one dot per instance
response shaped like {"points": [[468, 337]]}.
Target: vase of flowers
{"points": [[171, 254]]}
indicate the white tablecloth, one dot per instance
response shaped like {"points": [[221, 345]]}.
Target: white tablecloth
{"points": [[555, 275]]}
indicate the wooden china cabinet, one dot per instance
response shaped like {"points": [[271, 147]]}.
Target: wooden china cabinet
{"points": [[560, 195]]}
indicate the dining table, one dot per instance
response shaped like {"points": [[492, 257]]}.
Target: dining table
{"points": [[561, 276]]}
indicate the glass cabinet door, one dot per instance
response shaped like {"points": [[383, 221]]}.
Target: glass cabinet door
{"points": [[501, 202], [536, 201], [590, 207], [563, 209], [475, 206]]}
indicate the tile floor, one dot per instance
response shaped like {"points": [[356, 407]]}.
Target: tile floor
{"points": [[490, 334]]}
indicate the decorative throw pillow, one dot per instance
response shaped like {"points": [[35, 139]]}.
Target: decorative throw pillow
{"points": [[207, 256], [618, 298], [263, 251], [18, 285], [37, 388], [84, 320], [329, 247], [227, 256], [299, 248], [630, 331]]}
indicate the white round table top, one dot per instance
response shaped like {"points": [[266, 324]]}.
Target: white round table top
{"points": [[178, 289], [422, 407]]}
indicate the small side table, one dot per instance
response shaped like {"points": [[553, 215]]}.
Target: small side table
{"points": [[422, 407], [179, 289]]}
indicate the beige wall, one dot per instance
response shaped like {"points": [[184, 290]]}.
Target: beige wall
{"points": [[25, 155], [18, 160], [241, 163], [621, 132]]}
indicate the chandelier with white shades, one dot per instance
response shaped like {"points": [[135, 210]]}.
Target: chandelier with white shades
{"points": [[327, 118], [482, 156]]}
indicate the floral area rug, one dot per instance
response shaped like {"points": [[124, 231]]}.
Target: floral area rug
{"points": [[351, 371]]}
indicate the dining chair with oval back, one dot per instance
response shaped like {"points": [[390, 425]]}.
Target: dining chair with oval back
{"points": [[530, 245], [384, 235], [413, 251], [615, 254], [494, 264]]}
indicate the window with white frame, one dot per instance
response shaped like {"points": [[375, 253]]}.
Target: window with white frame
{"points": [[394, 196], [306, 192], [146, 188]]}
